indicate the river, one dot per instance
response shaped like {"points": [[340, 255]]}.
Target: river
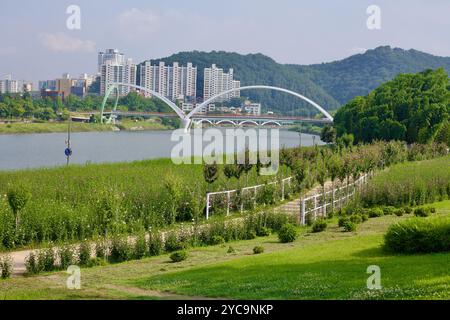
{"points": [[47, 150]]}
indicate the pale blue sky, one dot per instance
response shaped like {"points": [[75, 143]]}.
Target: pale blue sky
{"points": [[35, 43]]}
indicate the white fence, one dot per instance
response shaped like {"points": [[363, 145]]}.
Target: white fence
{"points": [[253, 189], [320, 205]]}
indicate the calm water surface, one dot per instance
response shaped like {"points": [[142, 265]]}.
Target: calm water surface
{"points": [[47, 150]]}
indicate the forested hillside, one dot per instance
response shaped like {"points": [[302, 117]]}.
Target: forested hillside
{"points": [[329, 84]]}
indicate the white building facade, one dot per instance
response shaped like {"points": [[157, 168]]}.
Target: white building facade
{"points": [[174, 82], [114, 67], [217, 81]]}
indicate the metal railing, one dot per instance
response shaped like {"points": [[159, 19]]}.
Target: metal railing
{"points": [[229, 193], [319, 204]]}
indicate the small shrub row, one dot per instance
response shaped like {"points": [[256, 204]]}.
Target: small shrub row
{"points": [[6, 267], [417, 235]]}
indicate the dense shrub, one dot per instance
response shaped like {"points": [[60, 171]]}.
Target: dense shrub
{"points": [[231, 250], [356, 218], [66, 256], [120, 250], [388, 210], [319, 226], [46, 260], [140, 249], [6, 266], [399, 212], [342, 221], [96, 262], [155, 244], [179, 256], [258, 250], [375, 212], [101, 249], [217, 240], [84, 253], [32, 264], [417, 235], [287, 233], [408, 209], [263, 232], [422, 211], [173, 244], [349, 226]]}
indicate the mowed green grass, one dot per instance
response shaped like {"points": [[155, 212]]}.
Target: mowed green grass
{"points": [[328, 270], [327, 265]]}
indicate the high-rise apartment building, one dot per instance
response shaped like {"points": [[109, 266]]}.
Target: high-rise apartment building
{"points": [[114, 67], [174, 82], [217, 81], [8, 85]]}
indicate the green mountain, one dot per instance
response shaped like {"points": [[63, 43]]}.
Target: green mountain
{"points": [[329, 84]]}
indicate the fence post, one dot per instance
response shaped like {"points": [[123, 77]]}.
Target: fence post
{"points": [[282, 190], [315, 207], [228, 203], [207, 206], [303, 218]]}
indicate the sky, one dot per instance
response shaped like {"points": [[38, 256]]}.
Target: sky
{"points": [[36, 44]]}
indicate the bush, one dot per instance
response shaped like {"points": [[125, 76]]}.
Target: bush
{"points": [[408, 210], [287, 233], [342, 221], [101, 249], [66, 257], [263, 232], [216, 240], [432, 209], [376, 213], [140, 247], [349, 226], [32, 264], [173, 244], [6, 266], [364, 217], [417, 235], [155, 244], [422, 212], [356, 218], [46, 259], [120, 250], [178, 256], [231, 250], [258, 250], [388, 210], [399, 212], [319, 226], [84, 253], [95, 262]]}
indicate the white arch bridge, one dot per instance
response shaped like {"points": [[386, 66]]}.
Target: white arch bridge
{"points": [[188, 119]]}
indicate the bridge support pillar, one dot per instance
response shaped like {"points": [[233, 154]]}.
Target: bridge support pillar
{"points": [[186, 124]]}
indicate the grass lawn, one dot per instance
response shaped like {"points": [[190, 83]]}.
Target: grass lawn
{"points": [[51, 127], [327, 265]]}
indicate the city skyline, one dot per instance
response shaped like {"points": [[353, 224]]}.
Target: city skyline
{"points": [[175, 26]]}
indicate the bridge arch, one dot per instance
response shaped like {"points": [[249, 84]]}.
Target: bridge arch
{"points": [[226, 121], [273, 122], [298, 95], [115, 86], [248, 121]]}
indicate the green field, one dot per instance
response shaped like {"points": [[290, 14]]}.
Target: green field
{"points": [[328, 265], [52, 127]]}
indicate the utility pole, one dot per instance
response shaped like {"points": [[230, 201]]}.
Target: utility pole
{"points": [[68, 151]]}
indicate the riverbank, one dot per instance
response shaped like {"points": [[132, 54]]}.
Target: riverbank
{"points": [[56, 127]]}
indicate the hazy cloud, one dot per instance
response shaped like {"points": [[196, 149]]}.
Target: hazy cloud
{"points": [[61, 42], [138, 22]]}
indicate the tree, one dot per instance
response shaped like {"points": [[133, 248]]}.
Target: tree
{"points": [[334, 164], [18, 197], [321, 176], [328, 134], [210, 172]]}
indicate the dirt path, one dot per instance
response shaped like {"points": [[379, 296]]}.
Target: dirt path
{"points": [[157, 294]]}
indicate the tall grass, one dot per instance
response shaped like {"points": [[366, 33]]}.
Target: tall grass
{"points": [[80, 202], [410, 183]]}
